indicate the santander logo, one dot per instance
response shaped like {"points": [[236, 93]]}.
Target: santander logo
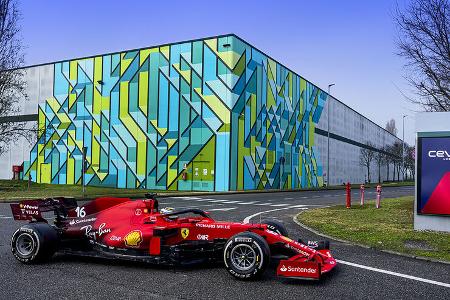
{"points": [[298, 269]]}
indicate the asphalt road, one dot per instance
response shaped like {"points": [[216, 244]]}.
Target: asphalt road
{"points": [[68, 277]]}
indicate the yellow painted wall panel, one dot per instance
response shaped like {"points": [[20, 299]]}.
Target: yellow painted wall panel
{"points": [[143, 91]]}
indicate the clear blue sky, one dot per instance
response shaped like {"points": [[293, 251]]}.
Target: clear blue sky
{"points": [[350, 43]]}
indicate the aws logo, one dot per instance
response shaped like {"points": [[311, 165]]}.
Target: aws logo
{"points": [[439, 154]]}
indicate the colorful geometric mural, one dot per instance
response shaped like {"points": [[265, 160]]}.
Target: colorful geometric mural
{"points": [[211, 114]]}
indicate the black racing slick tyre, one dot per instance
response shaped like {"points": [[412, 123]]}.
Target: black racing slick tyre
{"points": [[276, 226], [246, 255], [34, 242]]}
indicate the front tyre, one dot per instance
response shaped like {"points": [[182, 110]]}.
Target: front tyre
{"points": [[276, 226], [246, 255], [34, 242]]}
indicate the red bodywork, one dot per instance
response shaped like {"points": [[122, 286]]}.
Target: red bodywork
{"points": [[136, 228]]}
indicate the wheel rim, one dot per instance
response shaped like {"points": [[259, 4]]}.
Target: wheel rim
{"points": [[25, 244], [243, 257]]}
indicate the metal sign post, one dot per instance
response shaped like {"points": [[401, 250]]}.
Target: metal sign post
{"points": [[378, 201], [83, 171], [361, 188], [348, 202]]}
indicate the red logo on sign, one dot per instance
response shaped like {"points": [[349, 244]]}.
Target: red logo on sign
{"points": [[439, 202]]}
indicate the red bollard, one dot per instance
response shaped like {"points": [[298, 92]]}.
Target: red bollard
{"points": [[378, 202], [349, 195], [361, 188]]}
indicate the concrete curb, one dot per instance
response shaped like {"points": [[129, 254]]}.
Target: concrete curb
{"points": [[365, 246]]}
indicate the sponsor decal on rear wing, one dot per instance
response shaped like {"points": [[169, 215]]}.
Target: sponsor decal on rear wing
{"points": [[26, 210], [32, 209]]}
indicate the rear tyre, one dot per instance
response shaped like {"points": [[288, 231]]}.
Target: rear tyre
{"points": [[34, 242], [276, 226], [246, 255]]}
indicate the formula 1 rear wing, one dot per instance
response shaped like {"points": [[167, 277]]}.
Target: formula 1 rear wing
{"points": [[33, 209]]}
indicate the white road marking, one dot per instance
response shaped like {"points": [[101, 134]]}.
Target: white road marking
{"points": [[231, 202], [268, 203], [288, 198], [279, 205], [447, 285], [196, 206], [2, 217], [245, 203], [213, 201], [222, 209], [247, 219], [185, 198]]}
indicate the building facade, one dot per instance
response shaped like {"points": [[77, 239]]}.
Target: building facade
{"points": [[213, 114]]}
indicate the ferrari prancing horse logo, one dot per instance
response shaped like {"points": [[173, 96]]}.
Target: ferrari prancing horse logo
{"points": [[184, 232]]}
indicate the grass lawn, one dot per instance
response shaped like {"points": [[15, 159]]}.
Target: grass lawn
{"points": [[389, 227], [17, 189]]}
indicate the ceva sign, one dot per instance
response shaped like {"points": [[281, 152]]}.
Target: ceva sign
{"points": [[438, 154], [433, 190]]}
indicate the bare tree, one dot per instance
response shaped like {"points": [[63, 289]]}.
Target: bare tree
{"points": [[424, 29], [366, 157], [12, 83], [397, 152], [387, 160], [379, 160], [390, 127], [410, 160]]}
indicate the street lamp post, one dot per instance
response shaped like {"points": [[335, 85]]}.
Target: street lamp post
{"points": [[83, 170], [403, 147], [328, 135]]}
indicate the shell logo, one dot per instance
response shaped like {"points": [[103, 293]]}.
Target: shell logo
{"points": [[133, 238]]}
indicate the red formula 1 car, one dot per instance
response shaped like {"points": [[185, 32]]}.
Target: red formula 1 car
{"points": [[136, 230]]}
